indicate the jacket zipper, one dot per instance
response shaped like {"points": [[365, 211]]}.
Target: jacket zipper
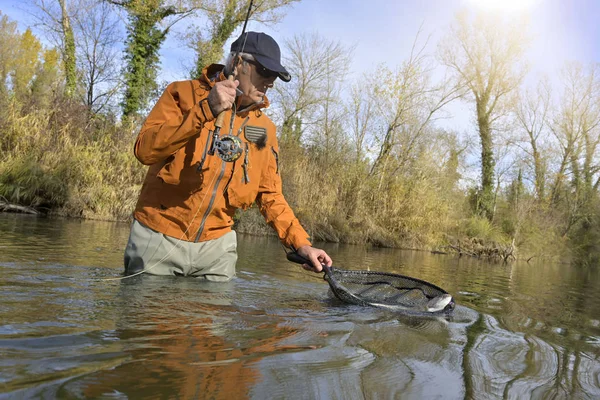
{"points": [[212, 200], [216, 187]]}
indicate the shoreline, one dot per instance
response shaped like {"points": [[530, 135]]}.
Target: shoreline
{"points": [[469, 247]]}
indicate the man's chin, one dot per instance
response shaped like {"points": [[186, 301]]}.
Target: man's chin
{"points": [[249, 100], [257, 100]]}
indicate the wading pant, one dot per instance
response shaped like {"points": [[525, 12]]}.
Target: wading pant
{"points": [[159, 254]]}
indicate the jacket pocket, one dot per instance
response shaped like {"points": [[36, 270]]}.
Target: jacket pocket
{"points": [[179, 169], [169, 173], [241, 194]]}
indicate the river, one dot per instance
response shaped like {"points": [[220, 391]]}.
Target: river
{"points": [[274, 332]]}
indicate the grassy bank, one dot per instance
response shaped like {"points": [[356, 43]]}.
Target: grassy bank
{"points": [[64, 161]]}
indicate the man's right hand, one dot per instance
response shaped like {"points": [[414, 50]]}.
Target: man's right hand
{"points": [[222, 96]]}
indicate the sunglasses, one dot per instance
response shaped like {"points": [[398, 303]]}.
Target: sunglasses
{"points": [[262, 71]]}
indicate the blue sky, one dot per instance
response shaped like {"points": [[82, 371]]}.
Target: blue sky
{"points": [[383, 31]]}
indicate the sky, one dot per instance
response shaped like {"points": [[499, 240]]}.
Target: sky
{"points": [[383, 31]]}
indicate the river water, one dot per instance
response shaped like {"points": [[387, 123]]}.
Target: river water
{"points": [[274, 332]]}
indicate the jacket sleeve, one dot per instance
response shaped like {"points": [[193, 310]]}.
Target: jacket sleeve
{"points": [[168, 126], [275, 208]]}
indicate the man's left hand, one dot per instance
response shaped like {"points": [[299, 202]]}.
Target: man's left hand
{"points": [[316, 257]]}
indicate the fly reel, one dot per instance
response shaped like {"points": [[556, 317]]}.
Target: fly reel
{"points": [[228, 147]]}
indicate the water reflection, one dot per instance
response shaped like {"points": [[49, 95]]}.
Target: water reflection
{"points": [[518, 331], [178, 334]]}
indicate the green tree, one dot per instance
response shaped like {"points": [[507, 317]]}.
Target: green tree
{"points": [[69, 60], [144, 39]]}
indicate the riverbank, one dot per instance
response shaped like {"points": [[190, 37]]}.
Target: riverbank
{"points": [[252, 223]]}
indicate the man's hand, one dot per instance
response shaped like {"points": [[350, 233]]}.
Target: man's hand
{"points": [[316, 257], [222, 96]]}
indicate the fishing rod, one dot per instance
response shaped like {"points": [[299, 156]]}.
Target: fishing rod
{"points": [[223, 146]]}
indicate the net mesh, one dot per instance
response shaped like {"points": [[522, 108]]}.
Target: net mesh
{"points": [[391, 291]]}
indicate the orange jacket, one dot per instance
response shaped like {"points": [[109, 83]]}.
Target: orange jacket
{"points": [[192, 195]]}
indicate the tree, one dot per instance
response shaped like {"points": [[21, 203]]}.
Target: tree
{"points": [[360, 109], [302, 101], [576, 128], [27, 58], [46, 79], [486, 57], [97, 37], [144, 38], [532, 113], [224, 17], [69, 60], [55, 18], [9, 39], [407, 104]]}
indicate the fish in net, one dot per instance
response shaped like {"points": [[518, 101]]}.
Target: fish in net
{"points": [[393, 292]]}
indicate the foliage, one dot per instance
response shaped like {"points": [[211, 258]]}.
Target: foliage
{"points": [[144, 38], [362, 161], [68, 48], [90, 177]]}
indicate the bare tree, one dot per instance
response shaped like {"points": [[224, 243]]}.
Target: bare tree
{"points": [[407, 104], [360, 109], [576, 127], [55, 17], [532, 117], [486, 56], [318, 67], [98, 37], [224, 17]]}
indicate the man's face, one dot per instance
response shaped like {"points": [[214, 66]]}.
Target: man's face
{"points": [[254, 80]]}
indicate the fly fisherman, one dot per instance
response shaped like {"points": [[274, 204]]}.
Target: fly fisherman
{"points": [[197, 179]]}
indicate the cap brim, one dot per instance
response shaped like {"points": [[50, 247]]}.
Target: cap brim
{"points": [[274, 66]]}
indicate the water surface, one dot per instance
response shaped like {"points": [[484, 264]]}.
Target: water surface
{"points": [[519, 331]]}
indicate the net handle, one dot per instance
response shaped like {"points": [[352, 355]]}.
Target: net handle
{"points": [[298, 259]]}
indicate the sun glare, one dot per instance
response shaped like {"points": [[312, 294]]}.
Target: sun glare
{"points": [[504, 5]]}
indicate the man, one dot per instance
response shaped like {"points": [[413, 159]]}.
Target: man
{"points": [[197, 180]]}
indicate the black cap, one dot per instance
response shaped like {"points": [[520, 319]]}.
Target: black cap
{"points": [[264, 49]]}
